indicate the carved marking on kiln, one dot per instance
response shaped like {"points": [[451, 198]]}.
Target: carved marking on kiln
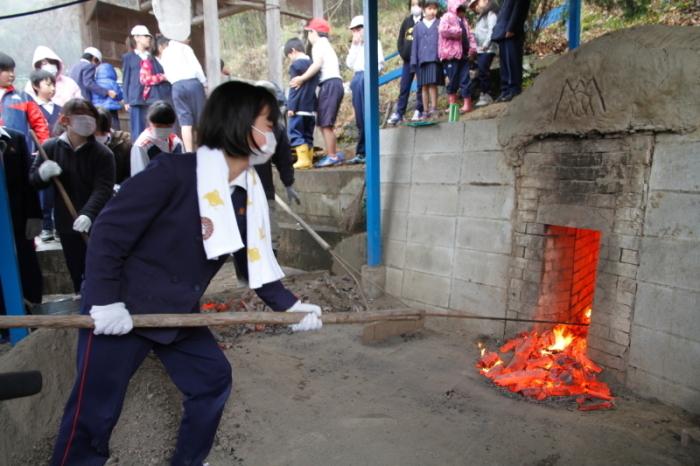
{"points": [[581, 99]]}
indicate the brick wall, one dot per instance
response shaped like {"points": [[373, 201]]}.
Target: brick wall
{"points": [[594, 184], [569, 273]]}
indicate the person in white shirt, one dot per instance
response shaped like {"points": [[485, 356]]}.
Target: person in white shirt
{"points": [[185, 73], [158, 138], [330, 92], [356, 62]]}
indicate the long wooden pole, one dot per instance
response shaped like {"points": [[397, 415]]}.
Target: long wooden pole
{"points": [[243, 318], [209, 319]]}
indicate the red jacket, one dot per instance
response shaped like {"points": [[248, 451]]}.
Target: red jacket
{"points": [[20, 112]]}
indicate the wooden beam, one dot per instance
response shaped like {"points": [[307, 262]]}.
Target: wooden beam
{"points": [[211, 43], [274, 44]]}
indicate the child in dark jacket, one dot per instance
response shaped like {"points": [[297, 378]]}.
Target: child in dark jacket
{"points": [[424, 57], [86, 169], [301, 104], [106, 77], [44, 87], [404, 44], [119, 142]]}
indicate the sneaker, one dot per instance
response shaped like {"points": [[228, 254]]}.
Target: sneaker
{"points": [[46, 235], [55, 235], [331, 160], [417, 116], [394, 119], [484, 99], [504, 98], [358, 159]]}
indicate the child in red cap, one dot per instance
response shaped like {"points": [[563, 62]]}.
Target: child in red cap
{"points": [[330, 94]]}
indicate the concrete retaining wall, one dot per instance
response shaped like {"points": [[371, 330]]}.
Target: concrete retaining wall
{"points": [[665, 338], [447, 199]]}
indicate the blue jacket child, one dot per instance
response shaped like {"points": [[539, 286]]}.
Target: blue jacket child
{"points": [[106, 77]]}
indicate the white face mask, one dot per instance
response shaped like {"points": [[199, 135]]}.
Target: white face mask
{"points": [[162, 133], [103, 139], [267, 150], [83, 125], [51, 68], [416, 10]]}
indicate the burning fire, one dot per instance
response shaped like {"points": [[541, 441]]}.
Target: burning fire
{"points": [[553, 363]]}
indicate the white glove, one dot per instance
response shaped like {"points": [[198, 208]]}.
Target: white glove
{"points": [[293, 195], [32, 228], [48, 169], [82, 224], [112, 319], [312, 321]]}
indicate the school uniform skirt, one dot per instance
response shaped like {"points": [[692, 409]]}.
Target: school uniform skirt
{"points": [[430, 73]]}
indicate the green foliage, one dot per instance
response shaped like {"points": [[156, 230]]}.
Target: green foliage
{"points": [[630, 8]]}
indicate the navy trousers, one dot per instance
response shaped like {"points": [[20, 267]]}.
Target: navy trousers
{"points": [[405, 90], [457, 72], [193, 361], [137, 120], [74, 252], [357, 86], [483, 64], [47, 199], [511, 51], [300, 129]]}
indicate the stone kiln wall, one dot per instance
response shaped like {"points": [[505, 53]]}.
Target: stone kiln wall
{"points": [[594, 184]]}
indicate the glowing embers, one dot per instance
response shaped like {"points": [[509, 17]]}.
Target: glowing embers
{"points": [[553, 363]]}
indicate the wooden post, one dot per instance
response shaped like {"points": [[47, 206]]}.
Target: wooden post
{"points": [[211, 43], [318, 8], [274, 50]]}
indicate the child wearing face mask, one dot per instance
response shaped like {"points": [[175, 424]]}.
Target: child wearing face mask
{"points": [[118, 141], [86, 169], [424, 57], [404, 45], [158, 138]]}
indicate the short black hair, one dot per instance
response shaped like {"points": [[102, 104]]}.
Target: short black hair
{"points": [[229, 115], [36, 77], [89, 57], [161, 40], [293, 44], [435, 3], [161, 113], [322, 34], [104, 120], [462, 8], [6, 62], [79, 106], [410, 3]]}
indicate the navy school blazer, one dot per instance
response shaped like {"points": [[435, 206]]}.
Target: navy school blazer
{"points": [[146, 249]]}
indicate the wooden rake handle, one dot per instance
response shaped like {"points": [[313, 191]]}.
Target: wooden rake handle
{"points": [[208, 319]]}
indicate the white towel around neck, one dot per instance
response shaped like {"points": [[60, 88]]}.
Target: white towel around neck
{"points": [[220, 233]]}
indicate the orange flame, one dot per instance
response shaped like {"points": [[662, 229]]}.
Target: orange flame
{"points": [[588, 315], [562, 338]]}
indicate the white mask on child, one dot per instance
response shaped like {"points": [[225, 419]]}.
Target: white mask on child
{"points": [[416, 10], [51, 68], [267, 150], [83, 125], [162, 133], [103, 139]]}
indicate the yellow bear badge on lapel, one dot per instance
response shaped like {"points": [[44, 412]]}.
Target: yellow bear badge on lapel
{"points": [[214, 198], [254, 254]]}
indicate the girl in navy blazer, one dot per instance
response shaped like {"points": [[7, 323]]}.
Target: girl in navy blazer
{"points": [[146, 255]]}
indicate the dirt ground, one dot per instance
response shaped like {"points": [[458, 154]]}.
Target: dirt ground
{"points": [[325, 398]]}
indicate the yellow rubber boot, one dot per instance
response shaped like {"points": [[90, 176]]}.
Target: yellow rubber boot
{"points": [[304, 157]]}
